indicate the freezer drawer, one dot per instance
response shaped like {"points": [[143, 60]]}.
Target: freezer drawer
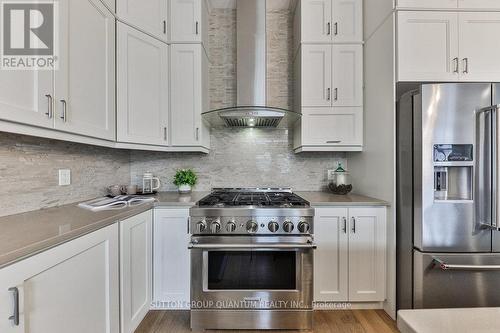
{"points": [[443, 280]]}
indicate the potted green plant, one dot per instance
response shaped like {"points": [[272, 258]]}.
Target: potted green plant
{"points": [[185, 179]]}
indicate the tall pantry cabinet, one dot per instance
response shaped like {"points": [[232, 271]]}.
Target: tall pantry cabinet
{"points": [[328, 70]]}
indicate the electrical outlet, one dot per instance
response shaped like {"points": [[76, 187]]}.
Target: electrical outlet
{"points": [[64, 177], [330, 174]]}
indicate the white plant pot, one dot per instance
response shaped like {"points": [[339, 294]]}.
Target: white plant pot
{"points": [[184, 188]]}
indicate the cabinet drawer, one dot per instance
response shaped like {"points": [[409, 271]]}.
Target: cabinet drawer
{"points": [[332, 126]]}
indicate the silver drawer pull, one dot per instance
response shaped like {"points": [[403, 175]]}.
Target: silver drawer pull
{"points": [[334, 141], [252, 246], [50, 105], [451, 267], [15, 316], [64, 110]]}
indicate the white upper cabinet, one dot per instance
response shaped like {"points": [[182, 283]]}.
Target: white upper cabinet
{"points": [[148, 15], [27, 97], [479, 46], [186, 20], [142, 79], [427, 46], [479, 4], [324, 21], [449, 4], [347, 87], [347, 21], [331, 258], [316, 17], [428, 3], [316, 75], [448, 46], [367, 251], [187, 92], [85, 81], [136, 272]]}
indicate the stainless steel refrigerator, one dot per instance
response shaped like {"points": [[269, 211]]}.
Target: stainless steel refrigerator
{"points": [[448, 238]]}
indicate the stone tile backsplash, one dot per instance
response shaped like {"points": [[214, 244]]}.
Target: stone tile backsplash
{"points": [[29, 172]]}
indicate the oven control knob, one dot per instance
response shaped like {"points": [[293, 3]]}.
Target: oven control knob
{"points": [[273, 226], [304, 227], [201, 226], [214, 227], [230, 226], [288, 226], [252, 227]]}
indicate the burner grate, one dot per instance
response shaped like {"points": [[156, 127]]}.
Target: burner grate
{"points": [[259, 199]]}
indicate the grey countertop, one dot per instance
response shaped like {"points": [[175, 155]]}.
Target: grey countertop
{"points": [[23, 235]]}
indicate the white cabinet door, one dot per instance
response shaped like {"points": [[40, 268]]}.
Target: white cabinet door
{"points": [[347, 75], [171, 266], [330, 258], [186, 20], [316, 74], [85, 81], [479, 4], [147, 15], [428, 3], [136, 272], [347, 24], [316, 17], [142, 79], [427, 46], [336, 127], [479, 46], [367, 254], [73, 287], [186, 93], [26, 97]]}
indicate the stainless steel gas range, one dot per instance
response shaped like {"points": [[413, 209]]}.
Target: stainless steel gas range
{"points": [[252, 260]]}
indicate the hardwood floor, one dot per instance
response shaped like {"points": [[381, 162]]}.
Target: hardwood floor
{"points": [[348, 321]]}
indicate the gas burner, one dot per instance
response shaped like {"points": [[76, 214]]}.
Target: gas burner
{"points": [[253, 197]]}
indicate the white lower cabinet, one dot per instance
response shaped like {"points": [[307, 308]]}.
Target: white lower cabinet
{"points": [[136, 262], [73, 287], [350, 260], [171, 266]]}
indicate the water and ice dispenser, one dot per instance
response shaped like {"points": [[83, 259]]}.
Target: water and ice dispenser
{"points": [[453, 172]]}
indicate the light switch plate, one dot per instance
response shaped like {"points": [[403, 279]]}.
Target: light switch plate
{"points": [[64, 177]]}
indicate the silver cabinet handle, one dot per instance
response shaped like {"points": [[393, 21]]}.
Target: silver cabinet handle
{"points": [[466, 65], [64, 109], [50, 106], [344, 228], [165, 133], [452, 267], [353, 225], [455, 60], [164, 27], [196, 27], [15, 316], [334, 141], [328, 94], [336, 28], [328, 28], [336, 94], [197, 134]]}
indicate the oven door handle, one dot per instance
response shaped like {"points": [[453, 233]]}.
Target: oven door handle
{"points": [[252, 246], [452, 267]]}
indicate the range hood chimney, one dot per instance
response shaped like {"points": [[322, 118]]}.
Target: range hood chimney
{"points": [[251, 109]]}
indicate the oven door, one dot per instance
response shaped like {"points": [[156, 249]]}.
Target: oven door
{"points": [[234, 272]]}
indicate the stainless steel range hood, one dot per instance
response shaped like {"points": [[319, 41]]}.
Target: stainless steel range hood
{"points": [[251, 109]]}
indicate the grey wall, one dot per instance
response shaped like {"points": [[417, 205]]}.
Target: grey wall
{"points": [[29, 172]]}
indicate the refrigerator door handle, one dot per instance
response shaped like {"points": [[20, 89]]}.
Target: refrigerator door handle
{"points": [[452, 267]]}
